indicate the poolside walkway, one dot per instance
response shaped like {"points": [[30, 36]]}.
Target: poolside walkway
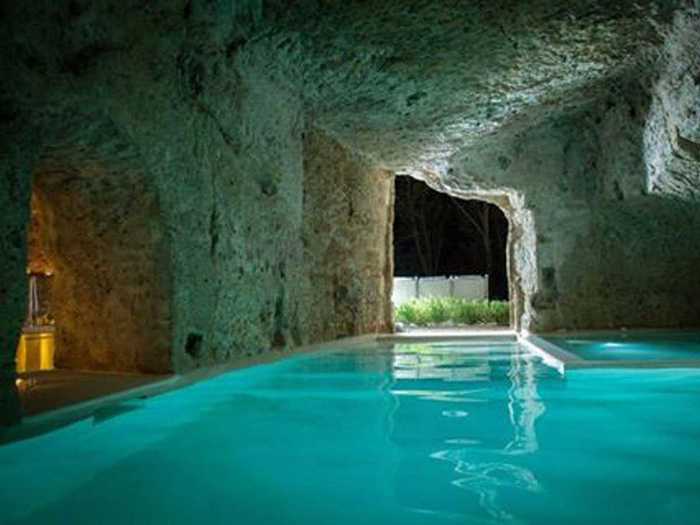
{"points": [[52, 389]]}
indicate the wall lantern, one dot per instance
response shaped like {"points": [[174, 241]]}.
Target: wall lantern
{"points": [[37, 343]]}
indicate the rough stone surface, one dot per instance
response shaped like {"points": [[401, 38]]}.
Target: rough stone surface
{"points": [[14, 203], [170, 170], [240, 129], [100, 233], [672, 131], [570, 117], [607, 253], [348, 210], [409, 83]]}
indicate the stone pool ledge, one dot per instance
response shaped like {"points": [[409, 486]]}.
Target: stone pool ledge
{"points": [[80, 400], [422, 335], [563, 360], [551, 354]]}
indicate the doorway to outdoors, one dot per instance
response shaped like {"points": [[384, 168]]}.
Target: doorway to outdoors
{"points": [[450, 259]]}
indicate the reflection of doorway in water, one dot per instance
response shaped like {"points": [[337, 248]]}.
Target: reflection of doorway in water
{"points": [[524, 405], [524, 408], [455, 399]]}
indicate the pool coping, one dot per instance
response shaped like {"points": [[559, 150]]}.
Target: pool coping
{"points": [[551, 355], [441, 335], [561, 359], [35, 425]]}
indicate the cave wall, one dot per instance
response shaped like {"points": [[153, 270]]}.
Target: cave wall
{"points": [[347, 237], [609, 251], [194, 239], [236, 213], [263, 231], [672, 131], [96, 228], [171, 169], [14, 213]]}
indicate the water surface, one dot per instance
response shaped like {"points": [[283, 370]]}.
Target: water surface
{"points": [[631, 346], [411, 434]]}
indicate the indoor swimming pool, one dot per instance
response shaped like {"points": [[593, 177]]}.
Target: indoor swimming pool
{"points": [[441, 433]]}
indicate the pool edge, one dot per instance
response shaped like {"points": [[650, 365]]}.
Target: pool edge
{"points": [[563, 360], [41, 423], [38, 424]]}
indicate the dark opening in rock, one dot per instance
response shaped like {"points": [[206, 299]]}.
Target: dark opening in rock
{"points": [[193, 345]]}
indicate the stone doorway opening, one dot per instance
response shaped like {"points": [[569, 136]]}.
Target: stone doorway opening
{"points": [[452, 248]]}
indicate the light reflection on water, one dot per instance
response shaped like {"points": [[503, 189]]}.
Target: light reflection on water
{"points": [[635, 346], [524, 407], [412, 434]]}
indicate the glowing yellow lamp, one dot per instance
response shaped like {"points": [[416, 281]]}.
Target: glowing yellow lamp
{"points": [[35, 351]]}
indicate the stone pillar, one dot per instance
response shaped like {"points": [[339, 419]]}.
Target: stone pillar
{"points": [[348, 245]]}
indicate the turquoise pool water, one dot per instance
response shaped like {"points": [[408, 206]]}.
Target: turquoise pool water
{"points": [[626, 346], [414, 434]]}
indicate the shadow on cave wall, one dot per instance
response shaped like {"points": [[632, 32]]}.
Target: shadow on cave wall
{"points": [[637, 266]]}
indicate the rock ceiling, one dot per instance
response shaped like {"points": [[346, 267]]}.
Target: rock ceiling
{"points": [[410, 83]]}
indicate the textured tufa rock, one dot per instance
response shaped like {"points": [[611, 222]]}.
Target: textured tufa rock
{"points": [[102, 237], [348, 249], [410, 83], [230, 163], [672, 133]]}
